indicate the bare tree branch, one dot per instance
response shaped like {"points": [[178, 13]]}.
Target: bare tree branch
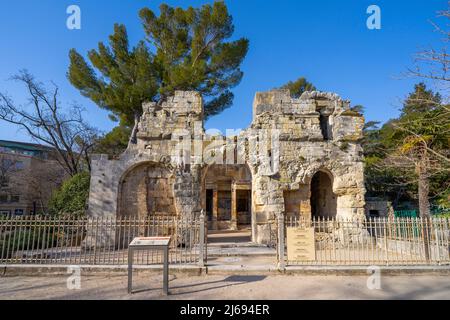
{"points": [[48, 124]]}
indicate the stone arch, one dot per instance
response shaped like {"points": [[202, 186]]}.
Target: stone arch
{"points": [[146, 189], [323, 200]]}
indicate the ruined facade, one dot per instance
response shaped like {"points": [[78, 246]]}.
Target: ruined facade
{"points": [[299, 157]]}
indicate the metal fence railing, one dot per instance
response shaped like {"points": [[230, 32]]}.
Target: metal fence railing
{"points": [[104, 241], [371, 241], [97, 241], [406, 214]]}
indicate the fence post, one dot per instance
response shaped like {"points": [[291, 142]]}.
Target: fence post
{"points": [[426, 237], [201, 248], [281, 235]]}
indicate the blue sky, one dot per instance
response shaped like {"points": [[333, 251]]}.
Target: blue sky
{"points": [[326, 41]]}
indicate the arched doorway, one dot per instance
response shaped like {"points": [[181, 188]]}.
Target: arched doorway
{"points": [[323, 200], [146, 190]]}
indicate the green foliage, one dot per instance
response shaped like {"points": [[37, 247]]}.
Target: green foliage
{"points": [[443, 199], [445, 215], [298, 87], [420, 101], [113, 143], [358, 109], [184, 49], [424, 121], [127, 76], [71, 198], [380, 180]]}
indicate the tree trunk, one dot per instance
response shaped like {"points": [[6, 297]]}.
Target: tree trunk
{"points": [[424, 189], [424, 206], [88, 160], [133, 136]]}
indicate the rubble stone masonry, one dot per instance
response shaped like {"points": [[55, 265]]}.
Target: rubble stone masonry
{"points": [[299, 157]]}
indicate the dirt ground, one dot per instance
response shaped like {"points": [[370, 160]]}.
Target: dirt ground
{"points": [[224, 287]]}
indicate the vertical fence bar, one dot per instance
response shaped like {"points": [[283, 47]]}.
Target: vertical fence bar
{"points": [[28, 237], [33, 229], [13, 243], [336, 250], [422, 238], [409, 245], [111, 238], [446, 233], [43, 238], [18, 241], [435, 243], [5, 240], [118, 241], [72, 233], [8, 234], [58, 242], [398, 238], [201, 258], [446, 236], [281, 240], [341, 241], [427, 228]]}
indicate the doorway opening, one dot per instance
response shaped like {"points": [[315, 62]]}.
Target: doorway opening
{"points": [[227, 201]]}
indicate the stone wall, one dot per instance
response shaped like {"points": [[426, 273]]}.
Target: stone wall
{"points": [[160, 130], [378, 208], [289, 141], [304, 149], [146, 188]]}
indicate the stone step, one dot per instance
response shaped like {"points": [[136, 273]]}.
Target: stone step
{"points": [[235, 245], [236, 250]]}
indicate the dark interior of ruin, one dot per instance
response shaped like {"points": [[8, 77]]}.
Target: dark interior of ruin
{"points": [[323, 200]]}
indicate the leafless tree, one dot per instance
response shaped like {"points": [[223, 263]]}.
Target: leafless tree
{"points": [[42, 180], [7, 168], [434, 63], [67, 132]]}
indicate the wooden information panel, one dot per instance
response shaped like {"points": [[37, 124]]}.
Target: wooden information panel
{"points": [[301, 244]]}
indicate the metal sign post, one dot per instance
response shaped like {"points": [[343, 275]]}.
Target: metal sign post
{"points": [[149, 243]]}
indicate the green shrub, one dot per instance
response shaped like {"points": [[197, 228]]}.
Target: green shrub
{"points": [[71, 198], [442, 215], [35, 238]]}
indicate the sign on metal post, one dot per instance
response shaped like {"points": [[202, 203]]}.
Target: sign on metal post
{"points": [[149, 243], [301, 244]]}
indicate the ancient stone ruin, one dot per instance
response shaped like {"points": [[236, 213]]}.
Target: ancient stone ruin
{"points": [[299, 158]]}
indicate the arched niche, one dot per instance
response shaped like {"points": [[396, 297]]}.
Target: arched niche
{"points": [[146, 190], [323, 200]]}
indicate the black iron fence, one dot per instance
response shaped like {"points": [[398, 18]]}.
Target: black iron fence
{"points": [[372, 241], [98, 241]]}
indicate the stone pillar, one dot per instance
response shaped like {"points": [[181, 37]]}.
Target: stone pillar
{"points": [[234, 224], [215, 212]]}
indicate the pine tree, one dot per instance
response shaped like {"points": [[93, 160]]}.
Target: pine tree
{"points": [[298, 87], [184, 49]]}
